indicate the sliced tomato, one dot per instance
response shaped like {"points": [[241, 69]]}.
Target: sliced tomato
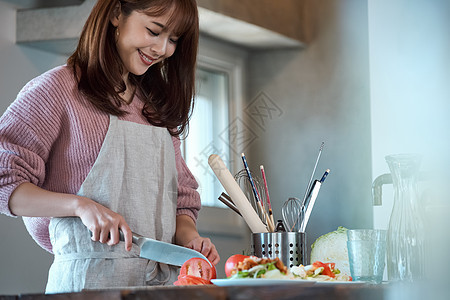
{"points": [[191, 280], [327, 268], [232, 261], [198, 267], [181, 281]]}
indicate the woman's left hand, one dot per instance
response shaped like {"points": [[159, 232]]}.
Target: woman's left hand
{"points": [[205, 247], [187, 235]]}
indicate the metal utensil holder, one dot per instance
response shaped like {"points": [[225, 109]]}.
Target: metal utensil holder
{"points": [[289, 247]]}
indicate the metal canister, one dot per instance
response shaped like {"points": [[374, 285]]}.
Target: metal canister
{"points": [[289, 247]]}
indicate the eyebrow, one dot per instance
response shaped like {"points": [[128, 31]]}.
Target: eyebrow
{"points": [[159, 24]]}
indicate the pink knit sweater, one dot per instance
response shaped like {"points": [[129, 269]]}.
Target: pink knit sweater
{"points": [[51, 136]]}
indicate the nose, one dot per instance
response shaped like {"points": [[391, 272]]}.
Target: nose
{"points": [[159, 48]]}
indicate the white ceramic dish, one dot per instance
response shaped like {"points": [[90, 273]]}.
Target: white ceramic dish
{"points": [[340, 282]]}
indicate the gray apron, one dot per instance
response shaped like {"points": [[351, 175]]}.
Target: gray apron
{"points": [[134, 175]]}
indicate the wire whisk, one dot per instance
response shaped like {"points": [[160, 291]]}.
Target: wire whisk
{"points": [[292, 214]]}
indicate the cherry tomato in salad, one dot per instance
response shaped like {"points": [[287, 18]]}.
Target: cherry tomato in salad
{"points": [[232, 261], [327, 268], [198, 267]]}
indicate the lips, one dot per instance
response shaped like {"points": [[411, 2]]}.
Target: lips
{"points": [[146, 59]]}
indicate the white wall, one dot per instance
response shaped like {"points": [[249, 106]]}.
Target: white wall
{"points": [[409, 44], [24, 265], [410, 84], [319, 93]]}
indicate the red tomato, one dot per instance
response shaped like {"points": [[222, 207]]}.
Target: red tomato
{"points": [[232, 261], [198, 267], [191, 280], [327, 268]]}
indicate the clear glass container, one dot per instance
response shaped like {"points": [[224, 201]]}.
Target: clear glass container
{"points": [[406, 235]]}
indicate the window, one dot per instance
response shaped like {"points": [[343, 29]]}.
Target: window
{"points": [[208, 131], [219, 83]]}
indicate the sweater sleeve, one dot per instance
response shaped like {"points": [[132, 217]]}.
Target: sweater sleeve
{"points": [[19, 161], [25, 138], [188, 198]]}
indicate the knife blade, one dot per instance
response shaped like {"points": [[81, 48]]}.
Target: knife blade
{"points": [[309, 204], [163, 252]]}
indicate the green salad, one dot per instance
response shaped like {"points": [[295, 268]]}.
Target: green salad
{"points": [[254, 267]]}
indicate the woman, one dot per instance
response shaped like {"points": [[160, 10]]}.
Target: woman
{"points": [[91, 147]]}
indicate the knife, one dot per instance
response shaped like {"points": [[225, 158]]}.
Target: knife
{"points": [[309, 204], [163, 252]]}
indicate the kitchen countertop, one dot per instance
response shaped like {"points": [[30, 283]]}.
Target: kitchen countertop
{"points": [[279, 292]]}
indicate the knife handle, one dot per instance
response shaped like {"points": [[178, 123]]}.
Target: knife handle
{"points": [[135, 239]]}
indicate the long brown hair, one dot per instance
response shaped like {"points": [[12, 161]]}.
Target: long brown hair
{"points": [[168, 87]]}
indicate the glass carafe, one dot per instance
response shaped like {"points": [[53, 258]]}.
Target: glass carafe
{"points": [[405, 238]]}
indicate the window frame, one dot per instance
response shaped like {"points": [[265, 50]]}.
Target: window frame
{"points": [[222, 57]]}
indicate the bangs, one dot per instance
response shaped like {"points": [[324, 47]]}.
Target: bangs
{"points": [[183, 16]]}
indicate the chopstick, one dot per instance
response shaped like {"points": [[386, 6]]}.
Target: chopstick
{"points": [[263, 174], [247, 169], [255, 193]]}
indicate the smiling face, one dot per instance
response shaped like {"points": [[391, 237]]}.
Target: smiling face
{"points": [[143, 40]]}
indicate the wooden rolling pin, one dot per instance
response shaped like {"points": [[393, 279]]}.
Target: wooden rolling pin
{"points": [[234, 191]]}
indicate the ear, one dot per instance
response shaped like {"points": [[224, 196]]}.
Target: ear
{"points": [[115, 17]]}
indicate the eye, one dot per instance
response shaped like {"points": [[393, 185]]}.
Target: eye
{"points": [[152, 32], [174, 41]]}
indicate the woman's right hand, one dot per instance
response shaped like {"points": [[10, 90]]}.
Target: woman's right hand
{"points": [[103, 223], [32, 201]]}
